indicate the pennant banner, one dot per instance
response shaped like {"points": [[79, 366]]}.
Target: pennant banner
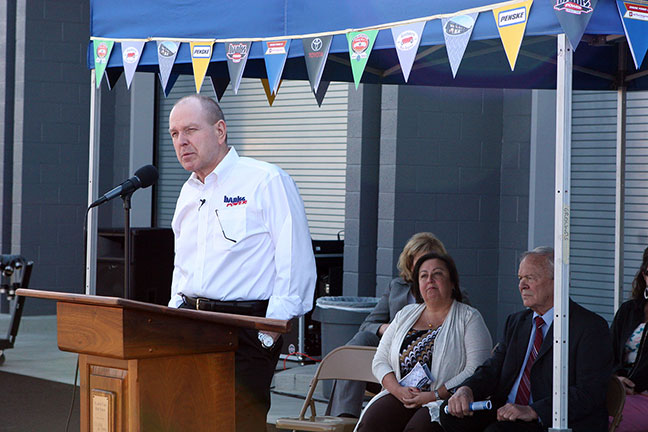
{"points": [[634, 16], [102, 50], [219, 85], [407, 39], [511, 22], [321, 91], [237, 55], [167, 52], [573, 16], [360, 45], [270, 95], [316, 52], [131, 54], [456, 32], [275, 54], [201, 53]]}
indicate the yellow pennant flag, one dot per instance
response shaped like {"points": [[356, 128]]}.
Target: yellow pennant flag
{"points": [[201, 53], [511, 22], [266, 88]]}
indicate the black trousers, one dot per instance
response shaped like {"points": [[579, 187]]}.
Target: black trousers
{"points": [[388, 414], [485, 421], [254, 368]]}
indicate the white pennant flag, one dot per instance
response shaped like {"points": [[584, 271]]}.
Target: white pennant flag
{"points": [[131, 55], [407, 39], [457, 31]]}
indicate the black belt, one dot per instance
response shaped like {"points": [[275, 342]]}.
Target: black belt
{"points": [[247, 307]]}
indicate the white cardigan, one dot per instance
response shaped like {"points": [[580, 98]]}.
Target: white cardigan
{"points": [[463, 344]]}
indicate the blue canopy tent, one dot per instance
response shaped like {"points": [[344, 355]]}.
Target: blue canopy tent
{"points": [[546, 61]]}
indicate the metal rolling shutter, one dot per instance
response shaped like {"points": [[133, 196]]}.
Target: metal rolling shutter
{"points": [[593, 190], [306, 141]]}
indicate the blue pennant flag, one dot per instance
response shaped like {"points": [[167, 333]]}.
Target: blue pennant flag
{"points": [[275, 54], [634, 15]]}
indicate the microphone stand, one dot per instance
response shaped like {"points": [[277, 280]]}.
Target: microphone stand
{"points": [[127, 241]]}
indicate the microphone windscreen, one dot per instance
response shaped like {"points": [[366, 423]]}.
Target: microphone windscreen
{"points": [[147, 174]]}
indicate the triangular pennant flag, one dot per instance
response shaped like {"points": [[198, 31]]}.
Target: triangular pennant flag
{"points": [[167, 52], [406, 40], [237, 55], [321, 91], [171, 80], [131, 54], [360, 45], [573, 16], [112, 76], [275, 54], [201, 53], [270, 95], [316, 51], [511, 22], [102, 50], [634, 16], [219, 85], [456, 32]]}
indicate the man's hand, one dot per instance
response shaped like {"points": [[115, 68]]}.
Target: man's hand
{"points": [[628, 384], [512, 412], [382, 329], [419, 399], [459, 403]]}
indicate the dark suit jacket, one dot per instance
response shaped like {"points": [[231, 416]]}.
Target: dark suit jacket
{"points": [[393, 300], [590, 366]]}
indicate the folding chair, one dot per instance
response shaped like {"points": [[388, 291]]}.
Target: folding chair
{"points": [[343, 363], [615, 401]]}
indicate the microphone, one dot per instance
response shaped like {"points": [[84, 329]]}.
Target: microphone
{"points": [[143, 178]]}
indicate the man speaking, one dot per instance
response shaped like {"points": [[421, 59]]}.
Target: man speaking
{"points": [[242, 246]]}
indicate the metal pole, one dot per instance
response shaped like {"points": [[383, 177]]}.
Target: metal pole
{"points": [[127, 246], [561, 235], [93, 186], [619, 207]]}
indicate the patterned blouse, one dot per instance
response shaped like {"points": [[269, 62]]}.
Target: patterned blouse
{"points": [[632, 345], [417, 348]]}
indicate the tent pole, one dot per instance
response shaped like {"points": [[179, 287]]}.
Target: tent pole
{"points": [[561, 234], [619, 207], [93, 187]]}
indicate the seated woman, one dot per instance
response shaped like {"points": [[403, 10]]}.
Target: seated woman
{"points": [[629, 333], [439, 331]]}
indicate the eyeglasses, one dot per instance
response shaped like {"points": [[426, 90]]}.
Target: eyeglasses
{"points": [[222, 230]]}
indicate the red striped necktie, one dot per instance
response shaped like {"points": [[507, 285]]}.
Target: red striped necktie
{"points": [[524, 389]]}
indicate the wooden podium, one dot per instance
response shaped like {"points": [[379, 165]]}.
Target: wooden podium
{"points": [[146, 367]]}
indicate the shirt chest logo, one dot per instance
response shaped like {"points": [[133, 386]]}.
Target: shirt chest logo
{"points": [[234, 201]]}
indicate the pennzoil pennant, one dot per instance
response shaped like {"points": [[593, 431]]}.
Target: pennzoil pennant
{"points": [[167, 52], [275, 54], [407, 39], [360, 45], [634, 16], [201, 53], [456, 32], [237, 56], [321, 91], [511, 23], [102, 50], [131, 55], [270, 95], [573, 16], [316, 51]]}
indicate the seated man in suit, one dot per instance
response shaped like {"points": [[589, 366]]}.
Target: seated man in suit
{"points": [[346, 396], [518, 376]]}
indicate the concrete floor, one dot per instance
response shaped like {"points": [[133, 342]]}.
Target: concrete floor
{"points": [[36, 354]]}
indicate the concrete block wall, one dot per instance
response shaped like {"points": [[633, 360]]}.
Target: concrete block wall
{"points": [[50, 159]]}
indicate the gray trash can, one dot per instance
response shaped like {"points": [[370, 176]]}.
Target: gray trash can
{"points": [[341, 318]]}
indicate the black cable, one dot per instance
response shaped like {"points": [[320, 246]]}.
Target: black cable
{"points": [[76, 373], [76, 370]]}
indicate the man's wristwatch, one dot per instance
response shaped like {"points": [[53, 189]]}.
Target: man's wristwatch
{"points": [[266, 340]]}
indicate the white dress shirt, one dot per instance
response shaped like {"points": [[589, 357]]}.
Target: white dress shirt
{"points": [[257, 205]]}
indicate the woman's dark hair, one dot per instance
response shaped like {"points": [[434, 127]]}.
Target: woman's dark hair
{"points": [[639, 283], [452, 269]]}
